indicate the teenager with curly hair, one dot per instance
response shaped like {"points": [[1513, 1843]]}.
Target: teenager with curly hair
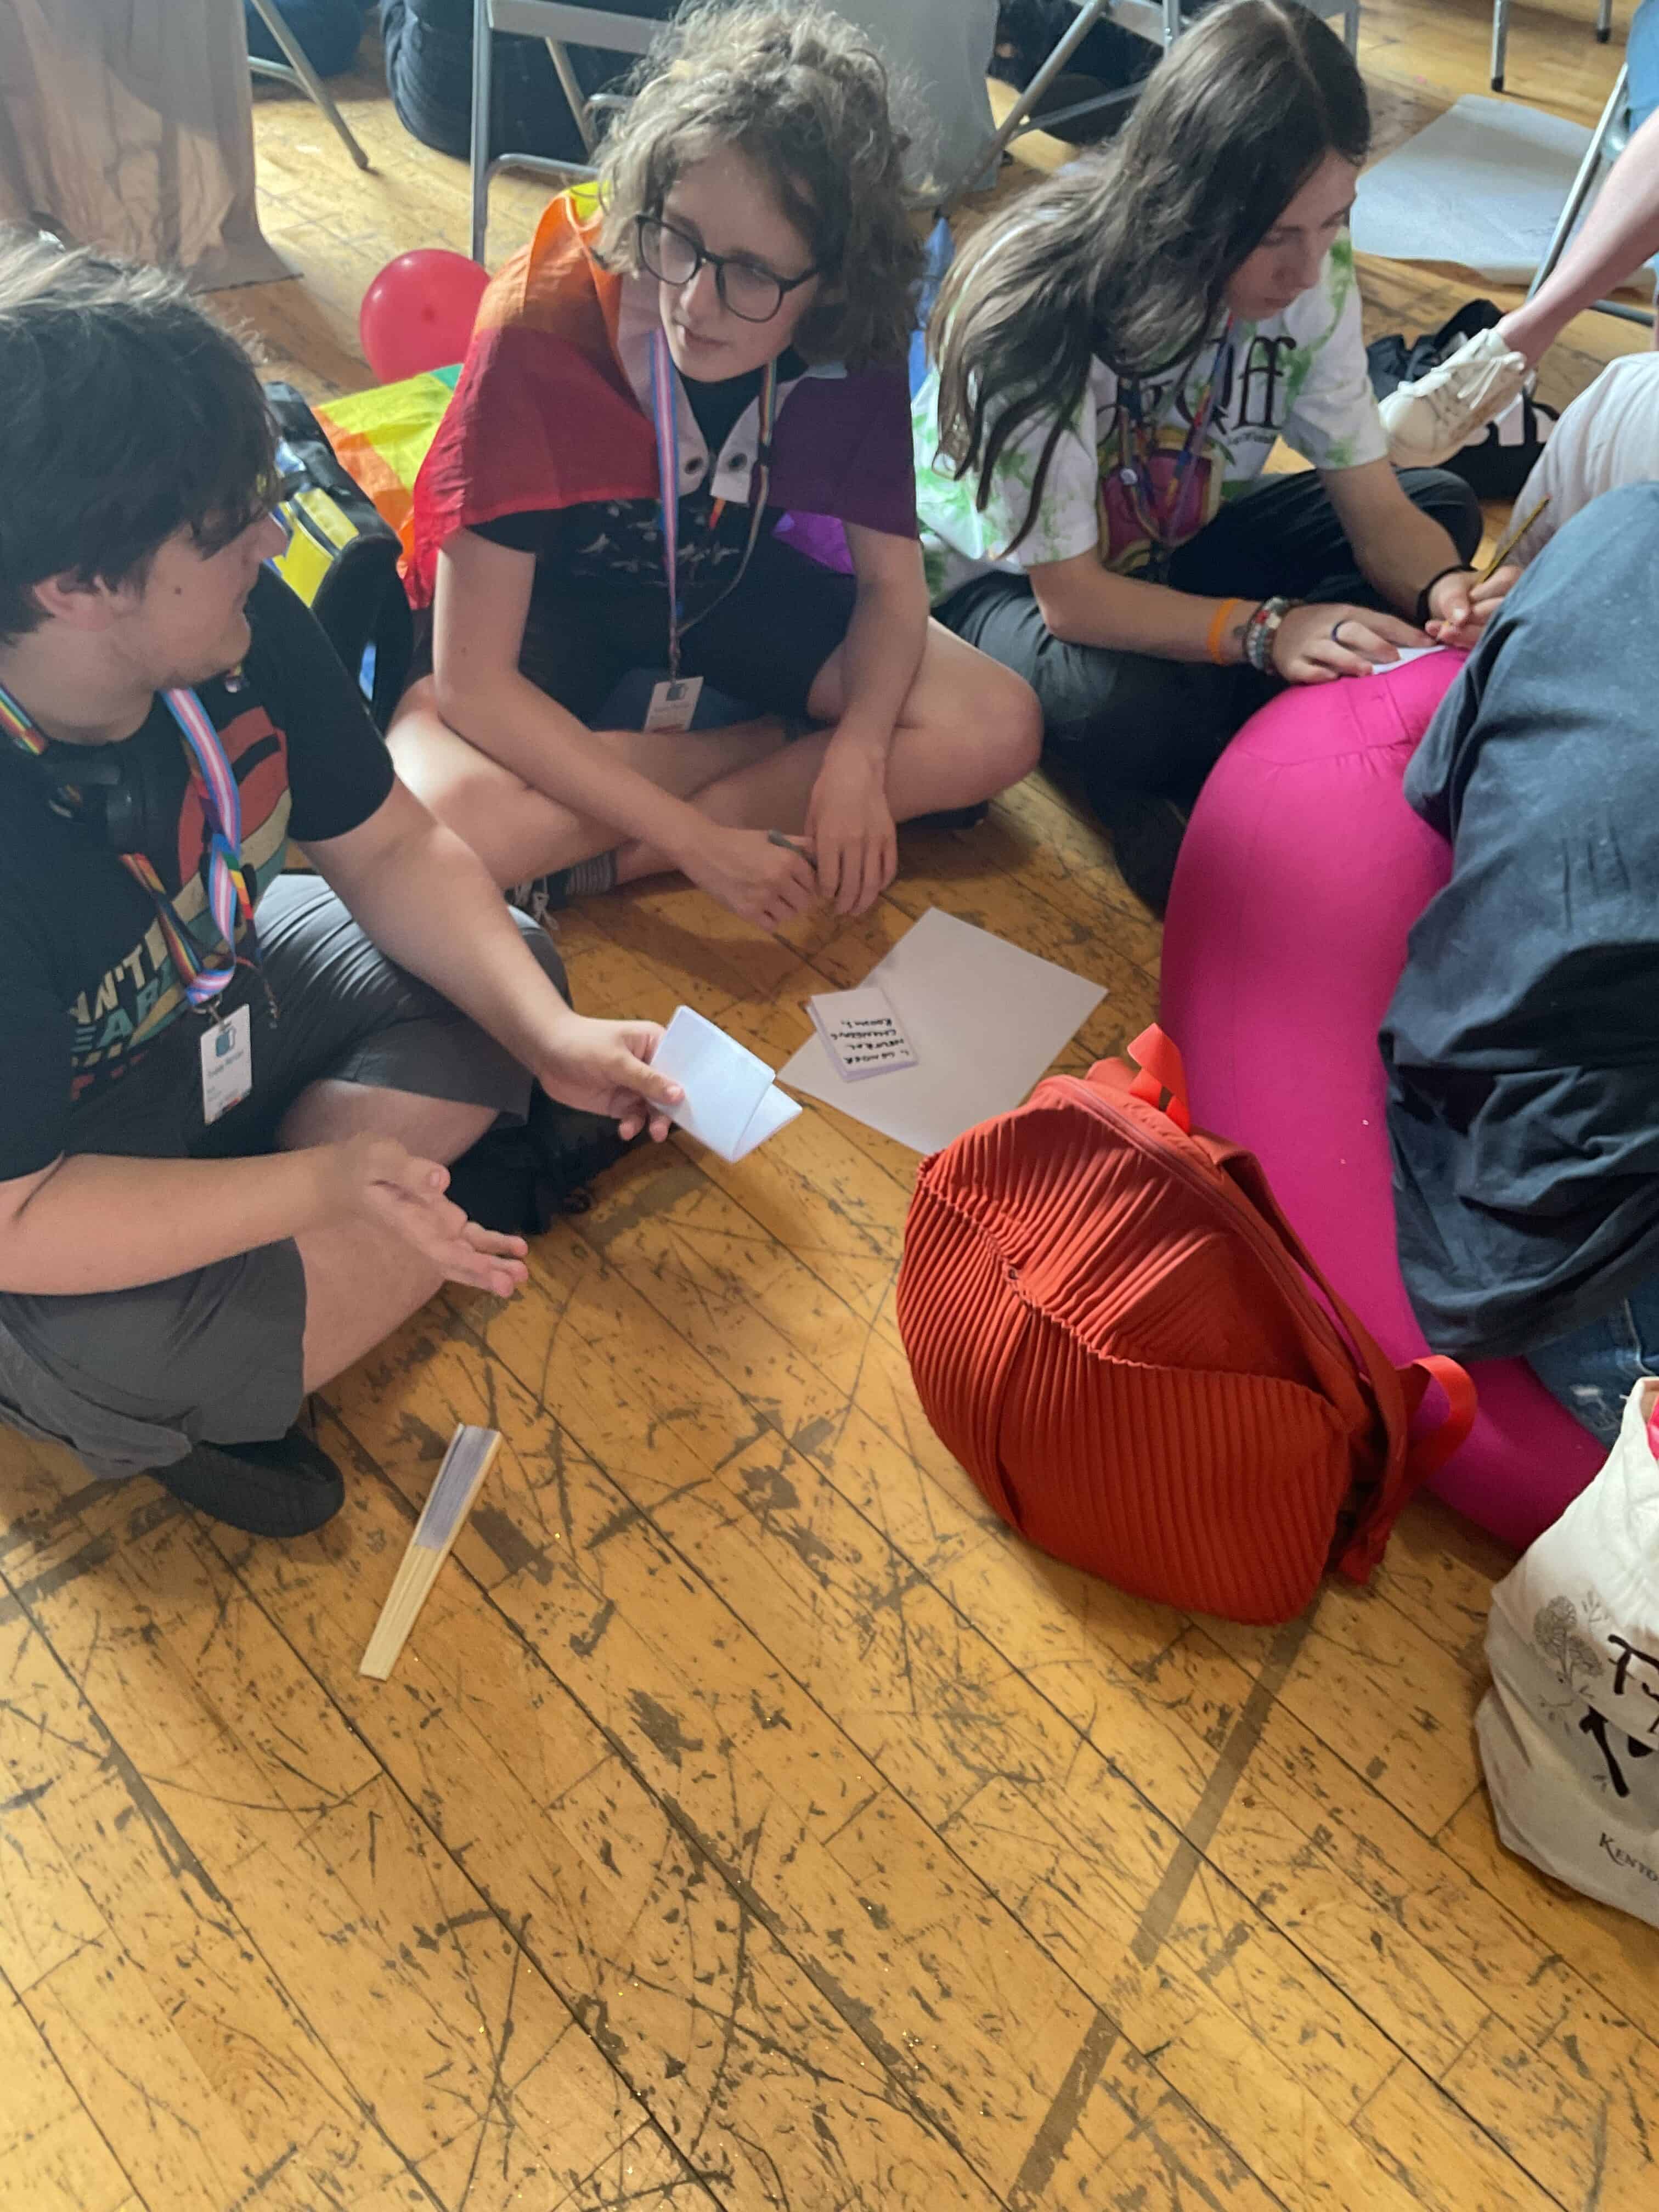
{"points": [[727, 312]]}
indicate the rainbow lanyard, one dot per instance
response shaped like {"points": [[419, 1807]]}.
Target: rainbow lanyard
{"points": [[1159, 518], [221, 804], [663, 398]]}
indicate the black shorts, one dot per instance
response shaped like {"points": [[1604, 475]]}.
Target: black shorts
{"points": [[762, 645]]}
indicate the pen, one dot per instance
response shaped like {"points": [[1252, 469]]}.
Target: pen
{"points": [[1511, 542]]}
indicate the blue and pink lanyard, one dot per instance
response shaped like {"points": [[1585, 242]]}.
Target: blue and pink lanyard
{"points": [[229, 898], [665, 400]]}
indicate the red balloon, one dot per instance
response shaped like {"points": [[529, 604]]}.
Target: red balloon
{"points": [[418, 312]]}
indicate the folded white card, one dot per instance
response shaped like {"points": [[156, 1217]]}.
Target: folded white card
{"points": [[1405, 655], [731, 1103], [862, 1033]]}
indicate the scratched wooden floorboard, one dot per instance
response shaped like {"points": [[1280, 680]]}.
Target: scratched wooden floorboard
{"points": [[750, 1823]]}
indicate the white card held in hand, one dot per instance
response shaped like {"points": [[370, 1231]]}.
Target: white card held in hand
{"points": [[861, 1033], [1402, 658], [731, 1103]]}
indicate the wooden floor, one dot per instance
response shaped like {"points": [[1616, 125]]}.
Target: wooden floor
{"points": [[750, 1823]]}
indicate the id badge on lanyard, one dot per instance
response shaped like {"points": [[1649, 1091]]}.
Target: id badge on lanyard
{"points": [[227, 1063], [674, 701]]}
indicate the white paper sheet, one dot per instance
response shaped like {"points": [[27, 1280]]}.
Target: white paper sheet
{"points": [[1482, 185], [730, 1103], [985, 1019]]}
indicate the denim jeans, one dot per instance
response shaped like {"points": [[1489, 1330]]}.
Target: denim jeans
{"points": [[1594, 1369]]}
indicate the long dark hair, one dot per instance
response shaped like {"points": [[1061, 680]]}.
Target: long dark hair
{"points": [[1126, 254], [806, 97]]}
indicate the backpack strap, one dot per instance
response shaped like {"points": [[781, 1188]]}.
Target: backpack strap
{"points": [[1163, 1082], [1423, 1455], [1163, 1077]]}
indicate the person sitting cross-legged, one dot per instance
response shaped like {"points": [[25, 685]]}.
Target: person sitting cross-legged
{"points": [[231, 1094]]}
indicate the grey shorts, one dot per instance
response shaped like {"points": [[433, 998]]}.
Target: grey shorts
{"points": [[131, 1379]]}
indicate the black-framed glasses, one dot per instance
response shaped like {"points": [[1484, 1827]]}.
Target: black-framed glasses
{"points": [[751, 294]]}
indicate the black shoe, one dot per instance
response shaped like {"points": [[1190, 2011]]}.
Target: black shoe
{"points": [[1146, 830], [287, 1487], [517, 1181], [568, 1149], [540, 896]]}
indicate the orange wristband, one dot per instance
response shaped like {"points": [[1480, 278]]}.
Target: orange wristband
{"points": [[1222, 612]]}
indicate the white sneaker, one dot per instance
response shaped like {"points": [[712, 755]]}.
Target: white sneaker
{"points": [[1433, 417]]}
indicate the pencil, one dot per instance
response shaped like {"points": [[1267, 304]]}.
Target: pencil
{"points": [[1511, 542]]}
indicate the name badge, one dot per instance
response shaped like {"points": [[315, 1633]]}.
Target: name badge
{"points": [[227, 1063], [673, 702]]}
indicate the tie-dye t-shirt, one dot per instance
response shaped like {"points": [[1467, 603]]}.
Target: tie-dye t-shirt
{"points": [[1300, 376]]}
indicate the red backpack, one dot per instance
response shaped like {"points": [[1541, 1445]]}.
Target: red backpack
{"points": [[1117, 1333]]}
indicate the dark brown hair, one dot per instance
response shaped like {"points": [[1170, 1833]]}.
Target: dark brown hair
{"points": [[806, 99], [1126, 254], [129, 414]]}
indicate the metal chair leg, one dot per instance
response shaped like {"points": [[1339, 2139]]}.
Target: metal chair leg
{"points": [[1500, 42], [1584, 183], [480, 147], [579, 109], [1019, 114], [300, 72], [1604, 22]]}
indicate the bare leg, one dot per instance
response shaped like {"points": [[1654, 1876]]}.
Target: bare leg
{"points": [[361, 1283], [516, 831], [1620, 231], [969, 729]]}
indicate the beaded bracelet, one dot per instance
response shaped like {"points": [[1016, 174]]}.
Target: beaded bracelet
{"points": [[1261, 631]]}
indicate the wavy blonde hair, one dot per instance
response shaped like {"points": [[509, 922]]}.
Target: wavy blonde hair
{"points": [[807, 99]]}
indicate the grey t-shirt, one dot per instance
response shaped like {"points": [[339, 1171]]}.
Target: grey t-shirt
{"points": [[1523, 1044]]}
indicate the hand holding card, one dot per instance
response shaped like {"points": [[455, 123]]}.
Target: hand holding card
{"points": [[731, 1103]]}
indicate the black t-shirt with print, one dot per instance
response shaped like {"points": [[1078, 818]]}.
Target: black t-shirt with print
{"points": [[88, 994], [616, 546]]}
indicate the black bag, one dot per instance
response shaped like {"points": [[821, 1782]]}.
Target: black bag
{"points": [[518, 1181], [1110, 59], [342, 558], [1499, 462]]}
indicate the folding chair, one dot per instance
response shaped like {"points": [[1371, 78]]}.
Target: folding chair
{"points": [[1606, 146], [1160, 23], [297, 71], [628, 28], [1500, 35]]}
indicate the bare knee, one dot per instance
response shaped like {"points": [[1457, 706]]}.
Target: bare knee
{"points": [[1009, 724], [331, 1111]]}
